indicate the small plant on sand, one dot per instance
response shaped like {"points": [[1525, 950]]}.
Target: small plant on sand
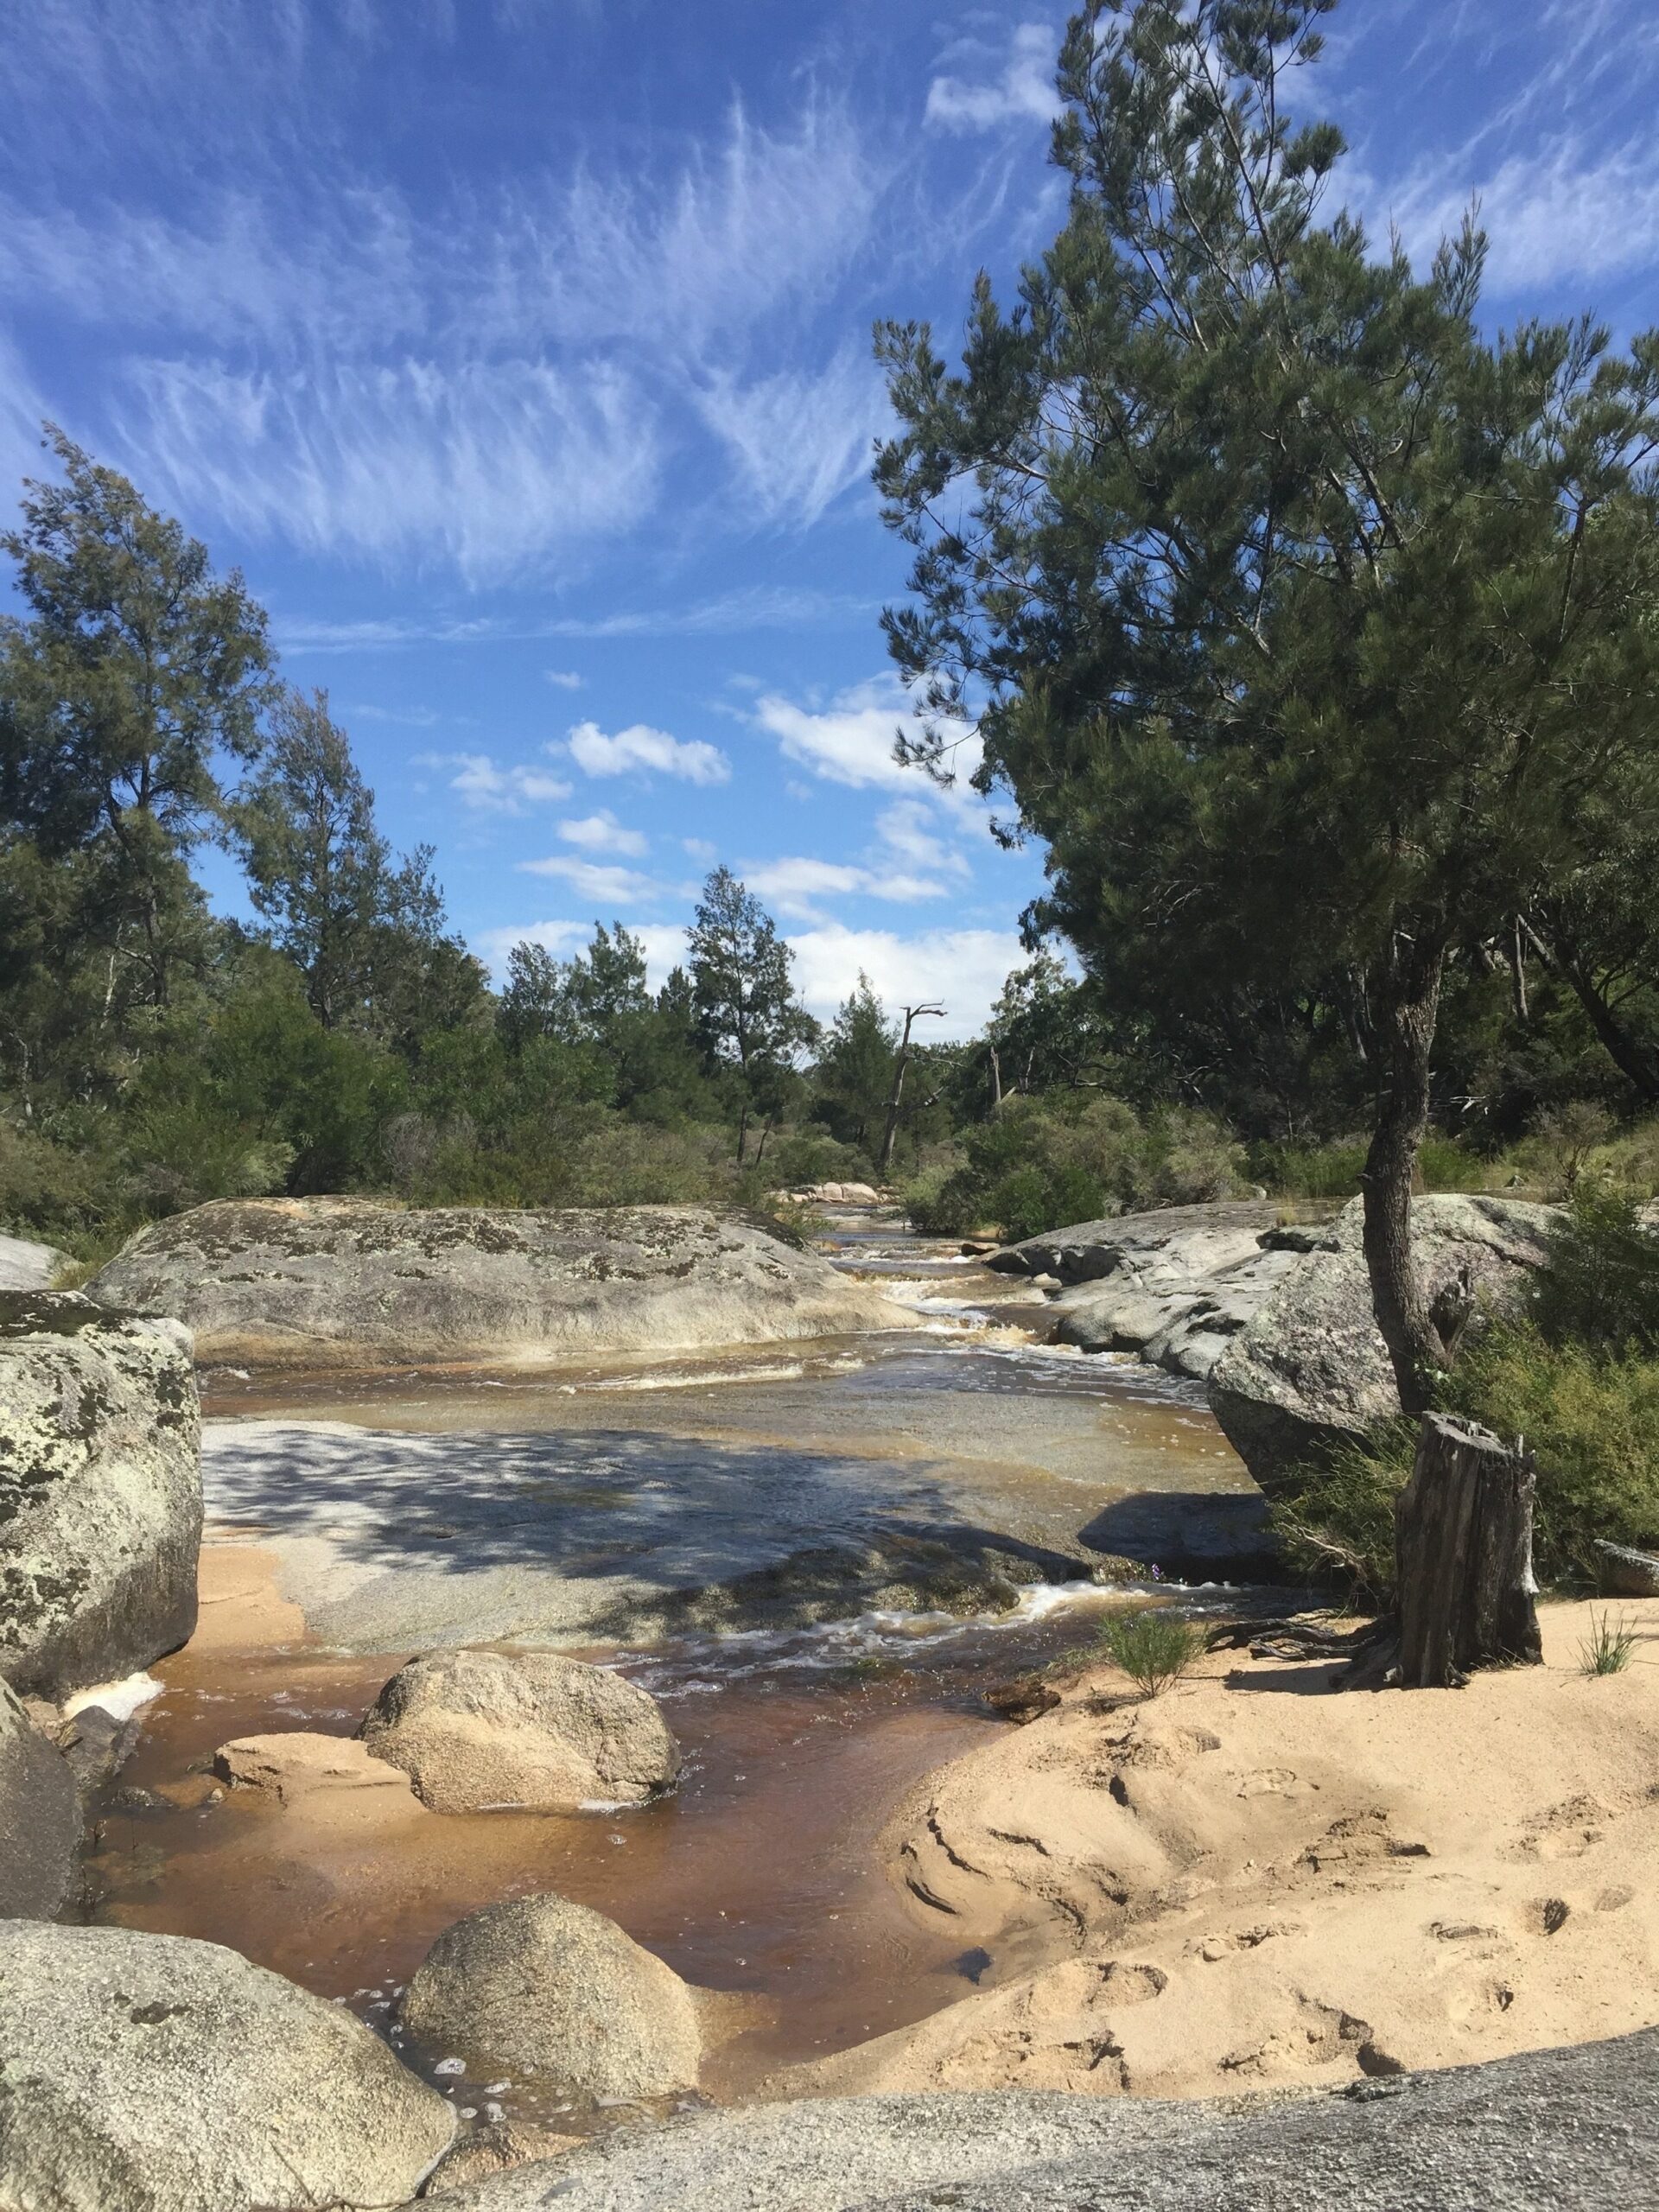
{"points": [[1153, 1646], [1607, 1649]]}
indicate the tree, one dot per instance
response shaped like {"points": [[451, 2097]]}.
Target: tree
{"points": [[135, 669], [1303, 623], [854, 1071], [901, 1061], [317, 867], [751, 1022]]}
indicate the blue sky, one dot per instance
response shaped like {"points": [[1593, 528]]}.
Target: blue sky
{"points": [[518, 352]]}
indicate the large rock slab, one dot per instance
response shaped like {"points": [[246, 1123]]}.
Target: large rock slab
{"points": [[1576, 2129], [356, 1281], [1311, 1368], [25, 1265], [474, 1730], [155, 2074], [40, 1818], [1173, 1286], [543, 1987], [100, 1491]]}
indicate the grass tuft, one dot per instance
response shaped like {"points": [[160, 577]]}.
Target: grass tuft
{"points": [[1153, 1646], [1607, 1649]]}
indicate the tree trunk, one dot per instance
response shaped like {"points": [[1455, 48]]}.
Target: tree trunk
{"points": [[742, 1131], [1407, 1024], [997, 1079], [891, 1129], [1463, 1556]]}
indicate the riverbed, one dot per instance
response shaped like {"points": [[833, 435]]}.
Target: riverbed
{"points": [[353, 1519]]}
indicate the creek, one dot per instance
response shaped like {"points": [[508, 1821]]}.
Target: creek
{"points": [[353, 1519]]}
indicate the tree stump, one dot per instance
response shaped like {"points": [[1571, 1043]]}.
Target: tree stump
{"points": [[1463, 1556]]}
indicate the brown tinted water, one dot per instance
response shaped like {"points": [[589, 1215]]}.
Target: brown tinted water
{"points": [[762, 1872]]}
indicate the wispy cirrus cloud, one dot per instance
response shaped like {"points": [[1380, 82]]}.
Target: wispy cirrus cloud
{"points": [[642, 750], [765, 606], [798, 439], [495, 381]]}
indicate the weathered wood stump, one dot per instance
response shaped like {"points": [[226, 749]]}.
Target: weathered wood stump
{"points": [[1463, 1556]]}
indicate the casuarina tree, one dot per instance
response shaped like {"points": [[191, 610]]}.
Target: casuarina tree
{"points": [[1309, 626]]}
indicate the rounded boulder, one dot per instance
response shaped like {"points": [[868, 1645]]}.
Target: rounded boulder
{"points": [[474, 1730], [156, 2074], [543, 1987]]}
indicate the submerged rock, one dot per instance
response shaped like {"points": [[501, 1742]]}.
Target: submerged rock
{"points": [[1311, 1368], [543, 1987], [155, 2074], [100, 1491], [344, 1281], [40, 1819], [477, 1729], [297, 1765]]}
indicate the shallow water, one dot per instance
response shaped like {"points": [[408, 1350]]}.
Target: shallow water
{"points": [[762, 1872]]}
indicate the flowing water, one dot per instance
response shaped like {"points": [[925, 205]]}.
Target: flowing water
{"points": [[384, 1504]]}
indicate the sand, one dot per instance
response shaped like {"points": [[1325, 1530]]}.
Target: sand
{"points": [[1256, 1884]]}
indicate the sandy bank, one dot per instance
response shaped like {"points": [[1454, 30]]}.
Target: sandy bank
{"points": [[1254, 1882]]}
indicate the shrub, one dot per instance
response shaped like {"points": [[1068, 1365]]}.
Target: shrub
{"points": [[1153, 1646]]}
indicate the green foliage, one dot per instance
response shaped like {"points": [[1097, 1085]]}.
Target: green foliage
{"points": [[751, 1023], [1601, 1288], [1577, 1379], [1334, 1520], [1078, 1156], [1153, 1646], [1309, 626], [1607, 1649]]}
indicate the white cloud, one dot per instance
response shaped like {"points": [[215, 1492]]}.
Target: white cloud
{"points": [[639, 748], [565, 678], [483, 784], [851, 741], [795, 886], [963, 969], [560, 938], [907, 831], [698, 848], [1022, 91], [603, 833], [608, 886]]}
